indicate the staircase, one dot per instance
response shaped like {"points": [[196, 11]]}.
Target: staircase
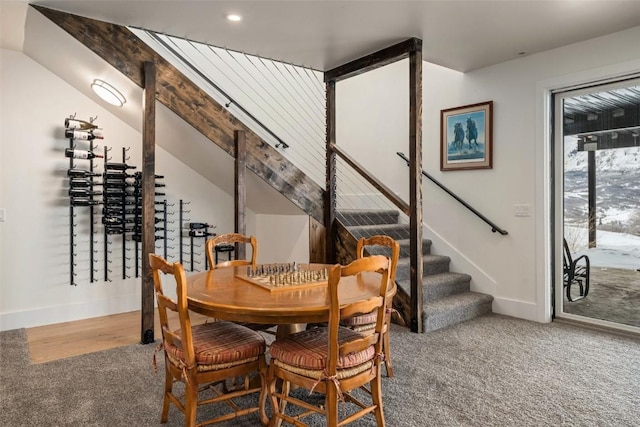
{"points": [[447, 298]]}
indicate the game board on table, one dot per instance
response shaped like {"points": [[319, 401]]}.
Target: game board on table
{"points": [[284, 277]]}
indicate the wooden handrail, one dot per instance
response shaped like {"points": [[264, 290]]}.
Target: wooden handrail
{"points": [[494, 228], [386, 191]]}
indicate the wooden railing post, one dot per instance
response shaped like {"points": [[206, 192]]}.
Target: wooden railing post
{"points": [[415, 184], [330, 189], [148, 198], [240, 192]]}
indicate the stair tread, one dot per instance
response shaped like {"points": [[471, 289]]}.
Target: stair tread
{"points": [[454, 302], [378, 226], [426, 258]]}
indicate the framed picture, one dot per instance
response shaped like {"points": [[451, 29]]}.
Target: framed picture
{"points": [[466, 137]]}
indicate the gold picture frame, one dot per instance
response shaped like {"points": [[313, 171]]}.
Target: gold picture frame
{"points": [[466, 137]]}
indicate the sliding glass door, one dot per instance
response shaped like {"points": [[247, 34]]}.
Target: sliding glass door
{"points": [[597, 187]]}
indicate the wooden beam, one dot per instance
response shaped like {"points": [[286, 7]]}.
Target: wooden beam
{"points": [[240, 192], [330, 184], [375, 60], [591, 196], [148, 199], [415, 187], [317, 242], [124, 51]]}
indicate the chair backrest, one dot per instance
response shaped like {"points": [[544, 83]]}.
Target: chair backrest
{"points": [[386, 241], [159, 267], [567, 259], [227, 239], [372, 264]]}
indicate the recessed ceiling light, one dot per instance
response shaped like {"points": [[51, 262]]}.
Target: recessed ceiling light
{"points": [[234, 18]]}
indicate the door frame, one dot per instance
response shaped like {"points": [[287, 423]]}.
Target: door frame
{"points": [[556, 191]]}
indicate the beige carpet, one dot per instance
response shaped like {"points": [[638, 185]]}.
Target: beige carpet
{"points": [[492, 371]]}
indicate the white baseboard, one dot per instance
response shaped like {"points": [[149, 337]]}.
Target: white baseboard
{"points": [[66, 313], [515, 308]]}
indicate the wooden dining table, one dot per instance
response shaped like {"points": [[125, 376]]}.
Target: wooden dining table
{"points": [[226, 294]]}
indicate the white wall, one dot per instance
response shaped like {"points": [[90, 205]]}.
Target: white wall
{"points": [[273, 230], [34, 241], [372, 111]]}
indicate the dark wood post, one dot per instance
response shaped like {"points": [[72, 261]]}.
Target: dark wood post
{"points": [[330, 187], [148, 198], [591, 174], [415, 184], [240, 192]]}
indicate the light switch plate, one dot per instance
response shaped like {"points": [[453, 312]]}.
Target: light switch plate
{"points": [[3, 215], [521, 210]]}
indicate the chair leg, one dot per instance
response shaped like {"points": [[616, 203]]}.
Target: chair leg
{"points": [[275, 405], [263, 392], [191, 403], [331, 404], [376, 396], [168, 386], [387, 354]]}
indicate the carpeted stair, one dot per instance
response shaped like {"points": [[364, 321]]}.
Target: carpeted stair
{"points": [[447, 297]]}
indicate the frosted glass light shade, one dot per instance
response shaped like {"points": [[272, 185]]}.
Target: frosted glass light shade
{"points": [[108, 93]]}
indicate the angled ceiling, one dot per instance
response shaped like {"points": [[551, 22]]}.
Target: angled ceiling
{"points": [[461, 35]]}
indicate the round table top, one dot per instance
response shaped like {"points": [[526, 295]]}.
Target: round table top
{"points": [[222, 294]]}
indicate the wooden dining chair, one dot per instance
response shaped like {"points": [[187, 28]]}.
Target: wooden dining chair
{"points": [[333, 360], [231, 239], [204, 356], [235, 239], [366, 323]]}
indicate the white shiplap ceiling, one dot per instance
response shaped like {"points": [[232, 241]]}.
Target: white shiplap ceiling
{"points": [[462, 35]]}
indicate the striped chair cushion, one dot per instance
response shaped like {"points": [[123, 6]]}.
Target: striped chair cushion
{"points": [[363, 319], [221, 343], [309, 349]]}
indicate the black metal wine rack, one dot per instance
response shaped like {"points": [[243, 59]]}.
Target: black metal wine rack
{"points": [[121, 203], [81, 188]]}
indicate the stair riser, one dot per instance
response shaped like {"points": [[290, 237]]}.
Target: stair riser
{"points": [[405, 248], [432, 293], [428, 267], [364, 218], [397, 232], [441, 320]]}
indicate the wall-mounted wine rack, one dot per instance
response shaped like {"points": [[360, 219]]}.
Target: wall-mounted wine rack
{"points": [[120, 215]]}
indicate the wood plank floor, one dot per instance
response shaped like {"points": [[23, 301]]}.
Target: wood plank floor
{"points": [[52, 342]]}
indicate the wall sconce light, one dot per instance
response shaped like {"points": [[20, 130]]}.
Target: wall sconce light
{"points": [[108, 93]]}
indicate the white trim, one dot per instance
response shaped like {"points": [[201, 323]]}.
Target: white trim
{"points": [[67, 313], [544, 89], [514, 308]]}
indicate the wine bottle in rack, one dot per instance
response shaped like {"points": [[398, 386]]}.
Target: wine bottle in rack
{"points": [[81, 173], [81, 192], [198, 225], [138, 220], [110, 230], [86, 135], [117, 166], [81, 182], [138, 237], [200, 233], [138, 176], [81, 154], [114, 220], [111, 174], [117, 184], [84, 202], [70, 123]]}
